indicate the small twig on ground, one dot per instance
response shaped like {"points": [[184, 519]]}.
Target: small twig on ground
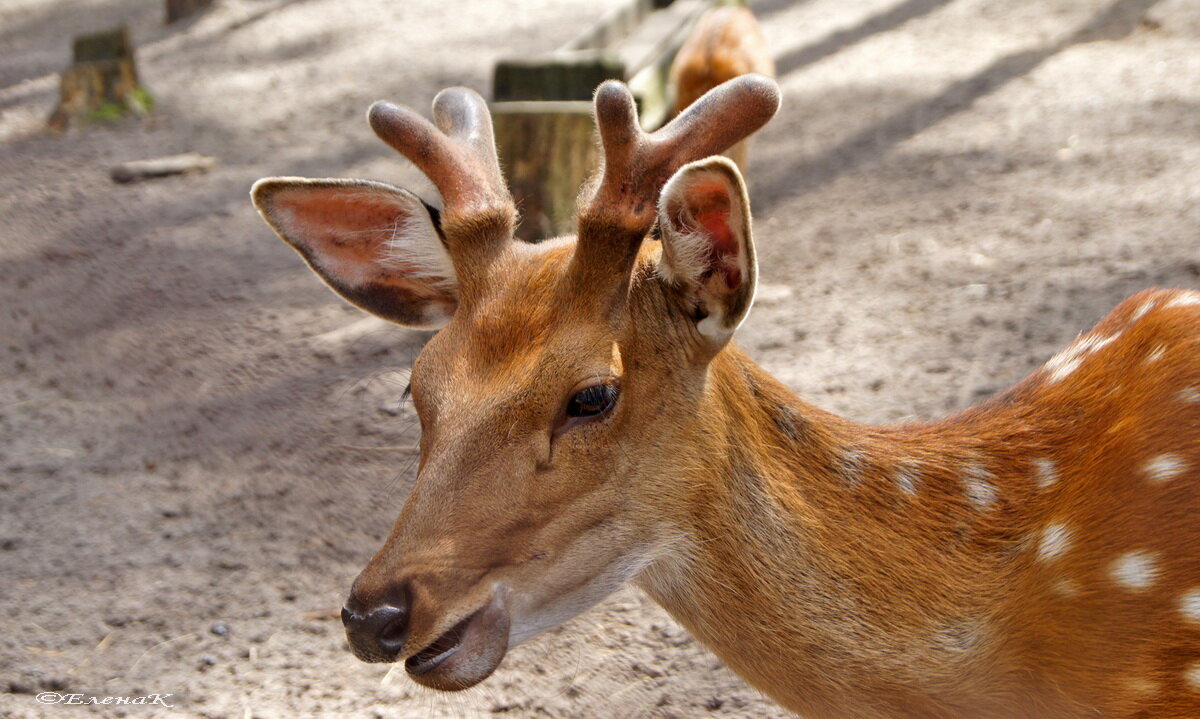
{"points": [[105, 643], [161, 167], [189, 635]]}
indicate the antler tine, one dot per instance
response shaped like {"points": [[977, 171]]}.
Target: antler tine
{"points": [[637, 165], [459, 156], [461, 113]]}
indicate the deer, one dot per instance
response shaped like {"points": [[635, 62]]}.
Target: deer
{"points": [[587, 421], [726, 42]]}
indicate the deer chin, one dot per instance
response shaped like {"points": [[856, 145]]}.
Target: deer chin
{"points": [[465, 654]]}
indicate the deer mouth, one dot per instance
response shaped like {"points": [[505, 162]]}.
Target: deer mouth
{"points": [[465, 654]]}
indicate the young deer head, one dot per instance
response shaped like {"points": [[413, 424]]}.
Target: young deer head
{"points": [[565, 375]]}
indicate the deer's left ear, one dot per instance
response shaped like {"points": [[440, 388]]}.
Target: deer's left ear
{"points": [[708, 253]]}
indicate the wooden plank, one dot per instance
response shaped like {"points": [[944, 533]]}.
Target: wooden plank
{"points": [[567, 75], [180, 9], [632, 37], [657, 32], [614, 26], [650, 83]]}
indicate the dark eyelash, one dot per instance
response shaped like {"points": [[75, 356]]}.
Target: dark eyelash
{"points": [[406, 393]]}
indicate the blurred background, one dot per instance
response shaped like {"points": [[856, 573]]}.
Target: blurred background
{"points": [[200, 445]]}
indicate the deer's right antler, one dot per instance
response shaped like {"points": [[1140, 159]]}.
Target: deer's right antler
{"points": [[621, 209], [459, 156]]}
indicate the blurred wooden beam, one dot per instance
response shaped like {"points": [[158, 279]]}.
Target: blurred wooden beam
{"points": [[562, 75], [180, 9]]}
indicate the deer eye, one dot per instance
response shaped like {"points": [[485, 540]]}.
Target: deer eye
{"points": [[592, 401]]}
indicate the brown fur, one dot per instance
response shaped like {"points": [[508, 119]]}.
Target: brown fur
{"points": [[843, 597], [778, 535]]}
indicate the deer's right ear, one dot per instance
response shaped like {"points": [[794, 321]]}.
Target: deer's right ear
{"points": [[376, 245]]}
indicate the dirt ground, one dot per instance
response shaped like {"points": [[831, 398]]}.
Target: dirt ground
{"points": [[200, 445]]}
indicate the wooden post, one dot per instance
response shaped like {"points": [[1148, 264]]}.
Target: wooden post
{"points": [[179, 9], [101, 83], [547, 150]]}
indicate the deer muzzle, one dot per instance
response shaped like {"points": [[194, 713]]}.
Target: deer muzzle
{"points": [[388, 627]]}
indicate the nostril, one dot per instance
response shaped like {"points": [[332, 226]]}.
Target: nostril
{"points": [[376, 622], [393, 628], [378, 634]]}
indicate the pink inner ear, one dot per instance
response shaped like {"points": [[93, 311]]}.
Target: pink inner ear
{"points": [[344, 235], [711, 208], [337, 215]]}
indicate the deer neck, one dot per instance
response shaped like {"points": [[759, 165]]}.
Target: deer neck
{"points": [[865, 557]]}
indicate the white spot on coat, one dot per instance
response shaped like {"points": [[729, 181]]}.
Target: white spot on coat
{"points": [[1140, 686], [1047, 472], [1056, 539], [1141, 311], [1163, 467], [959, 637], [907, 478], [980, 486], [1188, 394], [1185, 299], [1064, 363], [852, 464], [1189, 605], [1134, 571], [1157, 353], [1191, 675]]}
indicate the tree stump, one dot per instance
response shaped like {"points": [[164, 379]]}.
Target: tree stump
{"points": [[547, 150], [179, 9], [101, 83]]}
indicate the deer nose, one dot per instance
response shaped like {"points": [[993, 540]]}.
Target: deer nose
{"points": [[376, 634]]}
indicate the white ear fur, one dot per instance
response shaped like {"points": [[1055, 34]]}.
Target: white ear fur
{"points": [[414, 244], [708, 252], [375, 245]]}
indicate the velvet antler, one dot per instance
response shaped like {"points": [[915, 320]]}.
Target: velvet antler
{"points": [[620, 209], [457, 153]]}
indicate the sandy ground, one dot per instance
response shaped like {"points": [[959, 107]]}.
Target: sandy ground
{"points": [[198, 442]]}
